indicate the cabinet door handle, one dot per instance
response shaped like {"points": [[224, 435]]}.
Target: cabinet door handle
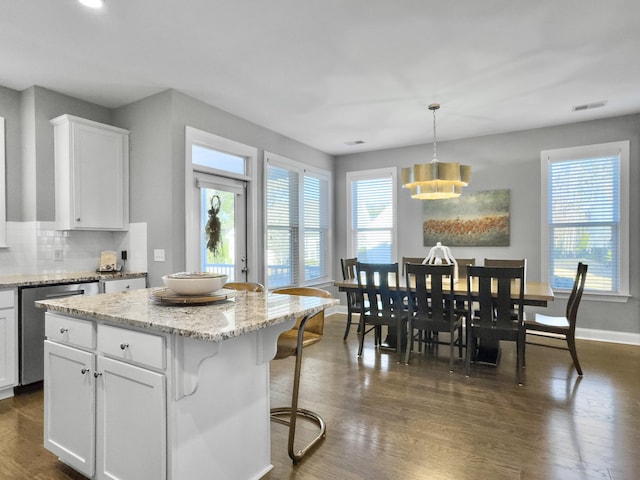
{"points": [[124, 346], [84, 370], [97, 374], [64, 330]]}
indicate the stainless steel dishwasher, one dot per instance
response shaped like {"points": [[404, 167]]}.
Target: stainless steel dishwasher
{"points": [[31, 324]]}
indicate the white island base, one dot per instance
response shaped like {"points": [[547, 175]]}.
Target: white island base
{"points": [[222, 429], [131, 404]]}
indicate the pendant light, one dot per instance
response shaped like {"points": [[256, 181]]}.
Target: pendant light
{"points": [[435, 180]]}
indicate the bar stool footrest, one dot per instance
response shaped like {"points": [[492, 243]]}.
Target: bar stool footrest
{"points": [[285, 416]]}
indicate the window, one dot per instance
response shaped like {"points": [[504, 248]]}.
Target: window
{"points": [[585, 194], [371, 216], [298, 218]]}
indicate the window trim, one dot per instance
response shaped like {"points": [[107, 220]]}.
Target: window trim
{"points": [[367, 175], [621, 149], [302, 169]]}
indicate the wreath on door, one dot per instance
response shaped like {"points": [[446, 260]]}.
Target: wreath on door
{"points": [[213, 227]]}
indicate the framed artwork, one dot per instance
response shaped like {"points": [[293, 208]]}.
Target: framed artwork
{"points": [[476, 219]]}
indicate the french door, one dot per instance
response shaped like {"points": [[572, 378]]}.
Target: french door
{"points": [[222, 225]]}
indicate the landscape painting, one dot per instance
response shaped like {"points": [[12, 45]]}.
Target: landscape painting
{"points": [[476, 219]]}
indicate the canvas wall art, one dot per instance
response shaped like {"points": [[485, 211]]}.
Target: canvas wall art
{"points": [[476, 219]]}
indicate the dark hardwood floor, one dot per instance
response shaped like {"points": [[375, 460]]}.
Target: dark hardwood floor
{"points": [[391, 421]]}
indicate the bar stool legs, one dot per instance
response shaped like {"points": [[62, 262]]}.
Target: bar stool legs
{"points": [[289, 415]]}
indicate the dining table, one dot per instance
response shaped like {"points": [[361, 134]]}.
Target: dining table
{"points": [[537, 294]]}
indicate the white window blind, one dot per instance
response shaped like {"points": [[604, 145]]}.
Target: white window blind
{"points": [[298, 218], [316, 227], [372, 222], [586, 219], [282, 227]]}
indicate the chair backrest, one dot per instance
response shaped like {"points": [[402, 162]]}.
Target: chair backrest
{"points": [[378, 285], [245, 286], [406, 260], [348, 267], [316, 323], [576, 295], [463, 263], [500, 291], [507, 262], [430, 291]]}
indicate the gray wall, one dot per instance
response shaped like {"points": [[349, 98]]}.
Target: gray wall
{"points": [[157, 126], [509, 161], [29, 140], [10, 109]]}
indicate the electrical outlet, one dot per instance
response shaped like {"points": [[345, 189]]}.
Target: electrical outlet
{"points": [[123, 254], [158, 255], [57, 254]]}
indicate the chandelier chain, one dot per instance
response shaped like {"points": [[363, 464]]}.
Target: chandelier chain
{"points": [[434, 134]]}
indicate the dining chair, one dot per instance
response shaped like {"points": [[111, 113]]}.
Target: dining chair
{"points": [[406, 260], [430, 306], [563, 328], [307, 331], [378, 285], [463, 263], [490, 319], [507, 262], [353, 302]]}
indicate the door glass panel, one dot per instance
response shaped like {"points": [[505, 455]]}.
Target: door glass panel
{"points": [[222, 243]]}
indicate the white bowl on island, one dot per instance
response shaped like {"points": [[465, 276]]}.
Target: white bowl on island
{"points": [[195, 283]]}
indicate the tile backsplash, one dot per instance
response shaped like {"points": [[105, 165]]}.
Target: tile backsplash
{"points": [[37, 247]]}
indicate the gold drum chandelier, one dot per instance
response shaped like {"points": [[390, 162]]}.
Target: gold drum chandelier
{"points": [[435, 180]]}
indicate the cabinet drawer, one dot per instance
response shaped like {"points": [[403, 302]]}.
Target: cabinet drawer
{"points": [[124, 284], [70, 331], [7, 299], [137, 347]]}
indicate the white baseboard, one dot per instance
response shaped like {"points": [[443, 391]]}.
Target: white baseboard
{"points": [[608, 336], [593, 334]]}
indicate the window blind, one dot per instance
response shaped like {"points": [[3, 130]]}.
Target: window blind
{"points": [[282, 227], [584, 221], [372, 219]]}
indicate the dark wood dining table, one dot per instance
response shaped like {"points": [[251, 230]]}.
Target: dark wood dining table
{"points": [[537, 294]]}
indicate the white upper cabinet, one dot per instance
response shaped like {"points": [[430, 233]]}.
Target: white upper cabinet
{"points": [[92, 175]]}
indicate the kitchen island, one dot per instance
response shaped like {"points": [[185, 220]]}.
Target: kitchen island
{"points": [[138, 390]]}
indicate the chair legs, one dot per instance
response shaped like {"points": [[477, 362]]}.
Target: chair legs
{"points": [[571, 343], [349, 320], [289, 415]]}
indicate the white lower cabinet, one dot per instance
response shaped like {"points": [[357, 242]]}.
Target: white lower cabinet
{"points": [[70, 406], [8, 342], [105, 417]]}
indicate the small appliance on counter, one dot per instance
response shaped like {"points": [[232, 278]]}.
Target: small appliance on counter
{"points": [[109, 262]]}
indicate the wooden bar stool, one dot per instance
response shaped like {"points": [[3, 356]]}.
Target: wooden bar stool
{"points": [[307, 331]]}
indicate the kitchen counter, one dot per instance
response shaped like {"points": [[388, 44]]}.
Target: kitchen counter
{"points": [[246, 312], [159, 392], [8, 281]]}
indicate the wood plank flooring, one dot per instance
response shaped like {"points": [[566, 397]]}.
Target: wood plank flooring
{"points": [[391, 421]]}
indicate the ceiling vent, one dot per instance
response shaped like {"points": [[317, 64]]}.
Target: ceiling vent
{"points": [[588, 106]]}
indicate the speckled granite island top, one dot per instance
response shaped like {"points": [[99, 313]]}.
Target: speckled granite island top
{"points": [[7, 281], [246, 312]]}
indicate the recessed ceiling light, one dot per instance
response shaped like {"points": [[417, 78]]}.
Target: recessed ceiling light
{"points": [[92, 3]]}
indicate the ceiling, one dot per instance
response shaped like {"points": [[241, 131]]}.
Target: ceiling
{"points": [[331, 72]]}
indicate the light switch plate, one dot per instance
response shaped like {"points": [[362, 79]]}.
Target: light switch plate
{"points": [[158, 255]]}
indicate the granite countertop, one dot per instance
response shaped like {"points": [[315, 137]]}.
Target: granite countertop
{"points": [[7, 281], [245, 312]]}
